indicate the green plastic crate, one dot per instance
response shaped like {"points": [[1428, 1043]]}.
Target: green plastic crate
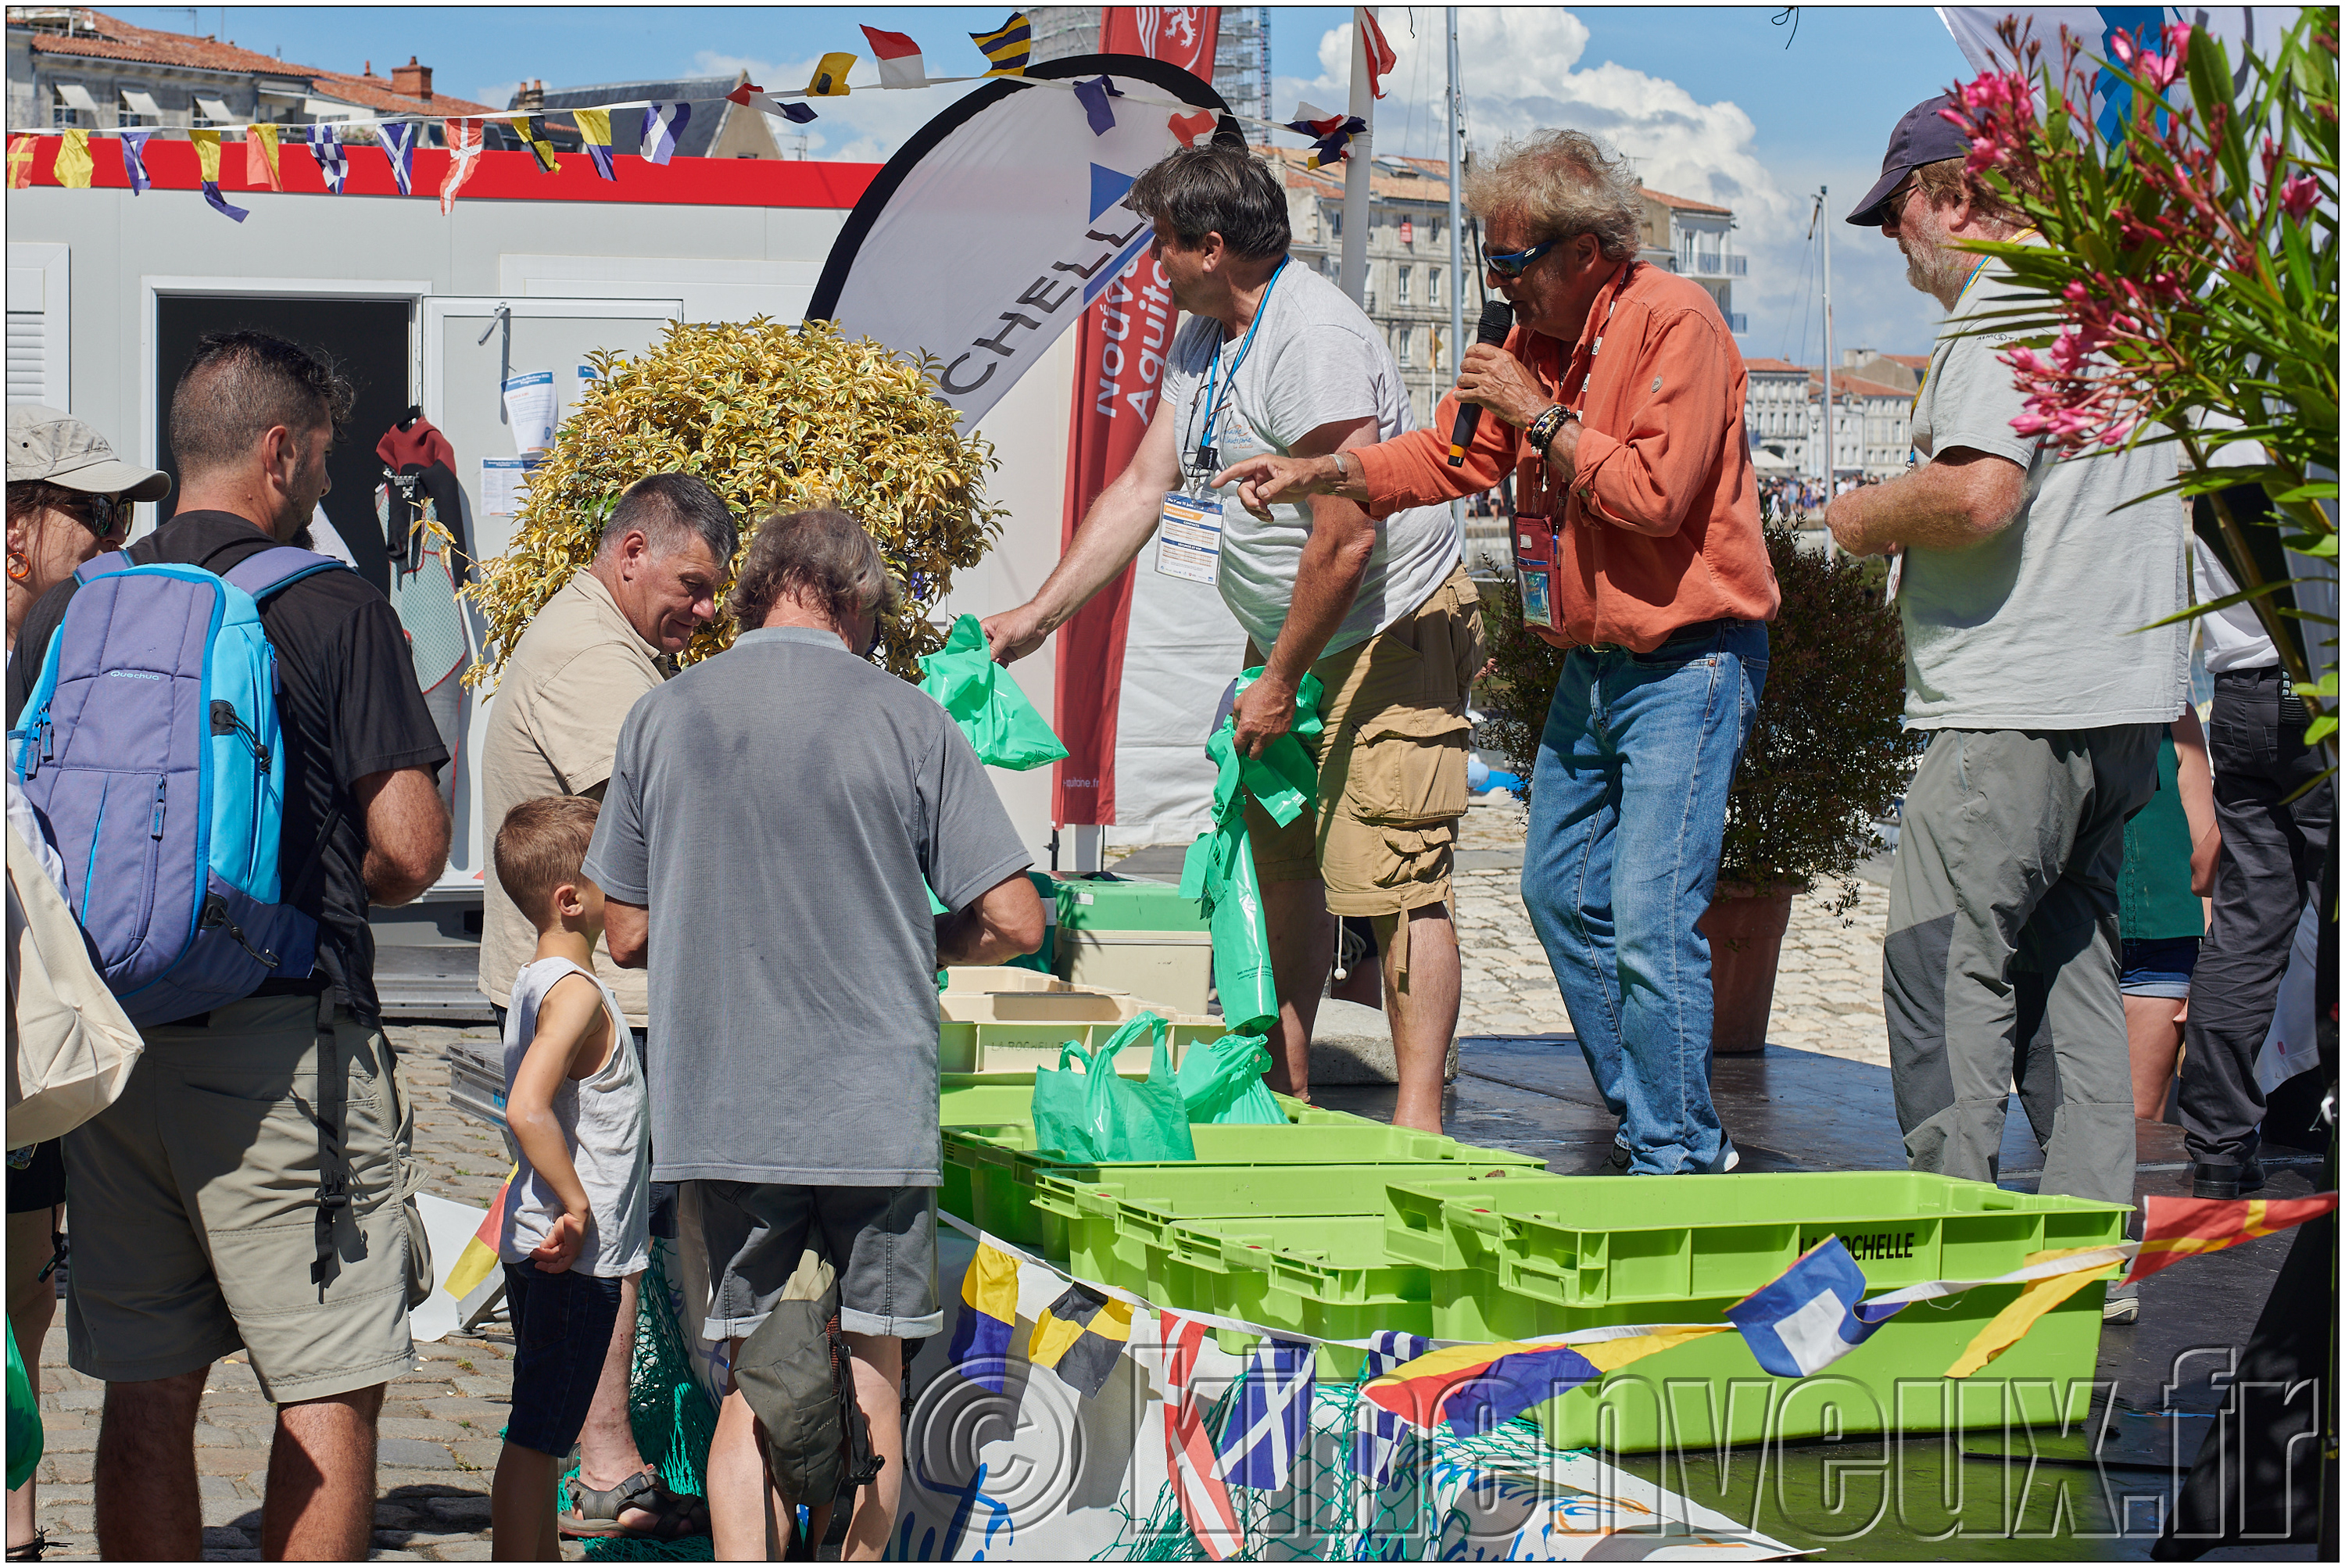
{"points": [[1328, 1276], [1125, 905], [1020, 1048], [1003, 1166], [1543, 1255]]}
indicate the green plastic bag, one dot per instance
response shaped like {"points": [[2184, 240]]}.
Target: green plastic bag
{"points": [[1219, 871], [986, 704], [1098, 1115], [25, 1418], [1222, 1083]]}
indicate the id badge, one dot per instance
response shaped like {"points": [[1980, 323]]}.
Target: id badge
{"points": [[1189, 537], [1896, 577], [1535, 570]]}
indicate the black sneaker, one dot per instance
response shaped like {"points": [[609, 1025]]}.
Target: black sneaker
{"points": [[1616, 1163], [2227, 1181]]}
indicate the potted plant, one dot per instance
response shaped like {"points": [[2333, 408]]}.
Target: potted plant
{"points": [[1828, 756]]}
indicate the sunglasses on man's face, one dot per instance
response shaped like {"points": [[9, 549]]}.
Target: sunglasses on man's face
{"points": [[1514, 263]]}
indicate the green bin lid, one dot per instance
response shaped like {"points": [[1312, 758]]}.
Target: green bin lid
{"points": [[1126, 905]]}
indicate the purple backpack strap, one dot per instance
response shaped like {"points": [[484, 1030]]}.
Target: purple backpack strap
{"points": [[265, 571], [97, 567]]}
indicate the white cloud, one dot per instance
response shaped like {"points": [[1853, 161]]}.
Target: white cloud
{"points": [[1523, 69], [865, 126], [497, 95]]}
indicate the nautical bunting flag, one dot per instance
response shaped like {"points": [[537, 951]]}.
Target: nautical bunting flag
{"points": [[530, 128], [1195, 1468], [1270, 1421], [899, 60], [333, 163], [796, 113], [595, 134], [2035, 1297], [1190, 128], [1094, 95], [20, 160], [260, 172], [134, 160], [830, 78], [1476, 1387], [1810, 1315], [662, 123], [2174, 1229], [1007, 46], [1379, 1439], [1330, 134], [1391, 1347], [398, 146], [1081, 1335], [465, 139], [1381, 59], [479, 1259], [207, 166], [74, 163], [988, 1310]]}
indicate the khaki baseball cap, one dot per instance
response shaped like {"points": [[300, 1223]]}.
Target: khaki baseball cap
{"points": [[58, 449]]}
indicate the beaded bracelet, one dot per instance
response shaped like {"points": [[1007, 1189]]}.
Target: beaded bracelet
{"points": [[1541, 435]]}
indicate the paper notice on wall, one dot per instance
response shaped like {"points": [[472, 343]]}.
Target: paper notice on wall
{"points": [[505, 482], [530, 408]]}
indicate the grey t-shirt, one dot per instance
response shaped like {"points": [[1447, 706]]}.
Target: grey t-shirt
{"points": [[1314, 360], [2037, 628], [776, 808]]}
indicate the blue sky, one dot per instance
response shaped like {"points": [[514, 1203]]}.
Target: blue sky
{"points": [[1709, 100]]}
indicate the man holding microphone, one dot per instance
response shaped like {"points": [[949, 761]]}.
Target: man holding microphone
{"points": [[1617, 400], [1276, 359]]}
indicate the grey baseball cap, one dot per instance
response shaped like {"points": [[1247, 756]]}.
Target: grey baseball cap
{"points": [[1922, 137], [58, 449]]}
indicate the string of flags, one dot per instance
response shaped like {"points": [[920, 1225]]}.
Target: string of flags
{"points": [[1796, 1326], [1008, 50]]}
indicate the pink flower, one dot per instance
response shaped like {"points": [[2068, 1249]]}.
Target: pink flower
{"points": [[2117, 433], [2271, 159], [2026, 362], [2031, 423], [2298, 196], [2121, 44]]}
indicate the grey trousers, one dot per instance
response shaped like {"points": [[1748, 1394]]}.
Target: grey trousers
{"points": [[2003, 936]]}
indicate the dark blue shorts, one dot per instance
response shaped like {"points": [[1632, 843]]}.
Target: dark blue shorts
{"points": [[562, 1327], [2160, 968]]}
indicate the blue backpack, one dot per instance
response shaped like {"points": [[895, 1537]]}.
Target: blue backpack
{"points": [[151, 749]]}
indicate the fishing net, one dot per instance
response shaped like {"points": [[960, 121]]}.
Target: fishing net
{"points": [[671, 1415], [1328, 1511]]}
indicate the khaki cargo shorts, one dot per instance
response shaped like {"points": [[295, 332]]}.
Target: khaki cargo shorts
{"points": [[1392, 763], [196, 1211]]}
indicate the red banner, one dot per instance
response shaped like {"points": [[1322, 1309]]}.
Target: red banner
{"points": [[1182, 35], [1120, 348]]}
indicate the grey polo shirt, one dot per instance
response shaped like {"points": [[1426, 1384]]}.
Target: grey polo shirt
{"points": [[782, 809]]}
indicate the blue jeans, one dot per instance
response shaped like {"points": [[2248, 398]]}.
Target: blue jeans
{"points": [[1628, 807]]}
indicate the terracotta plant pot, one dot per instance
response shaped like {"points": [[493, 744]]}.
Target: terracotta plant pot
{"points": [[1745, 926]]}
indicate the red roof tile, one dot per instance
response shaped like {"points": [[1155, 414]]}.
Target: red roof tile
{"points": [[375, 93], [1777, 367], [1687, 204], [1843, 383]]}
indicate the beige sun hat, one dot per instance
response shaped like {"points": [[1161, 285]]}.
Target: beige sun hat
{"points": [[58, 449]]}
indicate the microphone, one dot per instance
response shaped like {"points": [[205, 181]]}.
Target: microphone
{"points": [[1497, 320]]}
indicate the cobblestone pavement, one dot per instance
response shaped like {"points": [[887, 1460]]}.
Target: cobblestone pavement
{"points": [[1827, 989], [440, 1422]]}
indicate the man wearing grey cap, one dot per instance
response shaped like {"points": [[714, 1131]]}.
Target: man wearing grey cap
{"points": [[2025, 589]]}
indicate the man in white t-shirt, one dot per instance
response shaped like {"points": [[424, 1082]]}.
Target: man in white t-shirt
{"points": [[1276, 359]]}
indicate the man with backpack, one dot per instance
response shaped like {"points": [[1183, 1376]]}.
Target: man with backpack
{"points": [[251, 1189]]}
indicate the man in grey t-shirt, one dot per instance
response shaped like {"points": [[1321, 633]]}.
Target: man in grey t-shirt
{"points": [[774, 819], [1276, 359], [2026, 581]]}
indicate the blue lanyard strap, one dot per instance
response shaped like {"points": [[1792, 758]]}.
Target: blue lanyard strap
{"points": [[1215, 387]]}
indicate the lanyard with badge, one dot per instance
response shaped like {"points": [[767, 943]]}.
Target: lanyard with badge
{"points": [[1189, 529], [1539, 508]]}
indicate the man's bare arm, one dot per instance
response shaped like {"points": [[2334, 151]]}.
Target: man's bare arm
{"points": [[1112, 533], [1326, 581], [1961, 498], [1004, 922], [626, 932], [406, 828]]}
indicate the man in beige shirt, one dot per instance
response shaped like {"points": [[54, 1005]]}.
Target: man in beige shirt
{"points": [[599, 644]]}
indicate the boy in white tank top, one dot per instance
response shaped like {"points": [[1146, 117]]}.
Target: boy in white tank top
{"points": [[576, 1218]]}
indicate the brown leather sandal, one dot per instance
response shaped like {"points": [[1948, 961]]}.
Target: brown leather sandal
{"points": [[595, 1514]]}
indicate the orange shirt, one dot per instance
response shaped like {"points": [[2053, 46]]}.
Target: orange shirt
{"points": [[1660, 529]]}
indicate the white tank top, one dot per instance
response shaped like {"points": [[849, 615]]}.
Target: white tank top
{"points": [[606, 1123]]}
